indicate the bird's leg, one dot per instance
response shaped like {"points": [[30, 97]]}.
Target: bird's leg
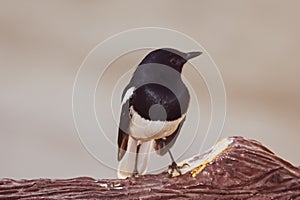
{"points": [[173, 167], [136, 172]]}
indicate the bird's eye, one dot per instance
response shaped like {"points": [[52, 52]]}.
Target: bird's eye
{"points": [[174, 61]]}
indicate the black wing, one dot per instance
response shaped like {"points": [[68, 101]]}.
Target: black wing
{"points": [[123, 127], [162, 145]]}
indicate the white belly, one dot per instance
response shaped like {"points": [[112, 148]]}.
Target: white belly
{"points": [[145, 130]]}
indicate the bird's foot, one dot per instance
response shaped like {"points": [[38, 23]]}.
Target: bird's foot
{"points": [[135, 173], [175, 170]]}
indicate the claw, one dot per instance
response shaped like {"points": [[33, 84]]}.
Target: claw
{"points": [[184, 165], [135, 173], [174, 169]]}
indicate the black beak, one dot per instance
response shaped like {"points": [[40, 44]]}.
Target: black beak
{"points": [[193, 54]]}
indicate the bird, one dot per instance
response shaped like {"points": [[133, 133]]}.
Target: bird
{"points": [[153, 109]]}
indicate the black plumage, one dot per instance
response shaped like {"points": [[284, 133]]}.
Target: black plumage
{"points": [[155, 97]]}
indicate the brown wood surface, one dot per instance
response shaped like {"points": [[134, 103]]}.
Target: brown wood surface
{"points": [[244, 170]]}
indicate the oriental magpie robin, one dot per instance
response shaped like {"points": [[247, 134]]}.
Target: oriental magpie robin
{"points": [[154, 107]]}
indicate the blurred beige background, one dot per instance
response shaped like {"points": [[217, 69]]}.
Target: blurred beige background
{"points": [[255, 44]]}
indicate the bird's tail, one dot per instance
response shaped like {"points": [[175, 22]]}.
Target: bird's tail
{"points": [[127, 163]]}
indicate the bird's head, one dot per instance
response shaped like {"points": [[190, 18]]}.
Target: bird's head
{"points": [[170, 57]]}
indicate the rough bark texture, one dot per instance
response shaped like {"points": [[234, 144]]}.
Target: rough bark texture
{"points": [[243, 170]]}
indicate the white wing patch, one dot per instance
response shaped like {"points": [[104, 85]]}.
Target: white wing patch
{"points": [[128, 94]]}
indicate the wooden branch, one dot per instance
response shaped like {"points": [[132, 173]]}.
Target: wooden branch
{"points": [[235, 168]]}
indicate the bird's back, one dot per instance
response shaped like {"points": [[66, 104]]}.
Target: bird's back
{"points": [[157, 102], [159, 85]]}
